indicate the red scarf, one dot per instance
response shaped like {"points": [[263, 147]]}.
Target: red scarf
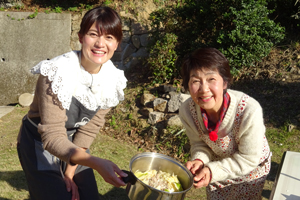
{"points": [[213, 130]]}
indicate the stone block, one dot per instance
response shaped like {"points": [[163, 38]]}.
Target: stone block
{"points": [[138, 28], [155, 117], [129, 49], [126, 37], [174, 121], [25, 99], [117, 56], [160, 104], [136, 41], [145, 39], [141, 53], [147, 99]]}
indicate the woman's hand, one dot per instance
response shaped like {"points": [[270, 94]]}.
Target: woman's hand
{"points": [[202, 178], [70, 184], [194, 166], [108, 170]]}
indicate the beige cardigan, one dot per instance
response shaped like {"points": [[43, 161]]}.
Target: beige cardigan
{"points": [[251, 136], [52, 126]]}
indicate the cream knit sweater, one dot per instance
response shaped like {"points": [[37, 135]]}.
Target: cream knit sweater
{"points": [[251, 134]]}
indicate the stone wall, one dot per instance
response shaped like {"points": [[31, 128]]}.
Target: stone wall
{"points": [[24, 43]]}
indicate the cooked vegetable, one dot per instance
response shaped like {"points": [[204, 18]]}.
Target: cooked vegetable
{"points": [[160, 180]]}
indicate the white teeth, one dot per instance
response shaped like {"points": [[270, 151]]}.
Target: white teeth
{"points": [[98, 52], [206, 97]]}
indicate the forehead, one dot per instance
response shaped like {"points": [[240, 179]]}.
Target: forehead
{"points": [[97, 27], [203, 72]]}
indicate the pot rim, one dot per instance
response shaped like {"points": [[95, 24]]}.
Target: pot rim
{"points": [[159, 155]]}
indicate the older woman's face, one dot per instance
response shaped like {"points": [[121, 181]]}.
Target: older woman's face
{"points": [[206, 89], [97, 48]]}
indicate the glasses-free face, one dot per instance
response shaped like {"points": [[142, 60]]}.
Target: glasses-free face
{"points": [[97, 48], [206, 89]]}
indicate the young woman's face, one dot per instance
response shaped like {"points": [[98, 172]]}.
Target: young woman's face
{"points": [[206, 89], [97, 48]]}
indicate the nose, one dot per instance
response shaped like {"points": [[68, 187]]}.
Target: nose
{"points": [[100, 41], [203, 87]]}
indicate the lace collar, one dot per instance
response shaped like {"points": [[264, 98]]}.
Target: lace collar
{"points": [[69, 79]]}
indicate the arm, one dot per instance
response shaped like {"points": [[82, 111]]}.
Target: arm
{"points": [[246, 158], [53, 119]]}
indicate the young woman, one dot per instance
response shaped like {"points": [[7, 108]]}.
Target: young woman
{"points": [[229, 151], [73, 94]]}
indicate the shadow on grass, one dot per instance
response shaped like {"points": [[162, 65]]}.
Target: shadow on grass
{"points": [[115, 194], [15, 179], [280, 100]]}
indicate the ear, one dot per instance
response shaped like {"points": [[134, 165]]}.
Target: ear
{"points": [[225, 85], [80, 38], [117, 46]]}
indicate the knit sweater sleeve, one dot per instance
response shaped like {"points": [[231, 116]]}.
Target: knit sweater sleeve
{"points": [[250, 144], [87, 133], [52, 125], [199, 149]]}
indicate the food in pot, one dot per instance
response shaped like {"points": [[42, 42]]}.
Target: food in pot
{"points": [[160, 180]]}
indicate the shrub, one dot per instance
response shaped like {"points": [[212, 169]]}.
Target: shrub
{"points": [[162, 59], [252, 37], [239, 29]]}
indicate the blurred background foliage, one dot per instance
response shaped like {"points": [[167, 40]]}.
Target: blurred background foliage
{"points": [[245, 31]]}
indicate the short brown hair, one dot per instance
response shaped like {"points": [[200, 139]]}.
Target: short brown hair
{"points": [[205, 58], [107, 21]]}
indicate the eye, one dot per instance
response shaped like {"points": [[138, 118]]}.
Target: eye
{"points": [[93, 34], [110, 37]]}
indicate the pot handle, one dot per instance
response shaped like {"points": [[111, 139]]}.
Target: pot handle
{"points": [[130, 178]]}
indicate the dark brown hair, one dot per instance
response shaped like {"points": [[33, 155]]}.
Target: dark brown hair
{"points": [[205, 58], [107, 21]]}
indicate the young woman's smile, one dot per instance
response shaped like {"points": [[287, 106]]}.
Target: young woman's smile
{"points": [[206, 88], [97, 48]]}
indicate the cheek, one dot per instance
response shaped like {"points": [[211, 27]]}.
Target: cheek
{"points": [[113, 45], [86, 41], [193, 88]]}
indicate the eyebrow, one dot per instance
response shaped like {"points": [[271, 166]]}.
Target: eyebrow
{"points": [[92, 29], [208, 73]]}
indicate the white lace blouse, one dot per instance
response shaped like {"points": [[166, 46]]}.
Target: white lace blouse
{"points": [[69, 78]]}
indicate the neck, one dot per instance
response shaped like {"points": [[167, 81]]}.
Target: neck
{"points": [[214, 115], [92, 69]]}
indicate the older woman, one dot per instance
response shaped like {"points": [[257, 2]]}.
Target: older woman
{"points": [[229, 151], [73, 94]]}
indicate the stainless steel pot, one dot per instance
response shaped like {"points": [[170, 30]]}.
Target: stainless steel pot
{"points": [[137, 190]]}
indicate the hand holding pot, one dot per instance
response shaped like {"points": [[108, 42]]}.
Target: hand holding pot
{"points": [[194, 166], [108, 170], [202, 178]]}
